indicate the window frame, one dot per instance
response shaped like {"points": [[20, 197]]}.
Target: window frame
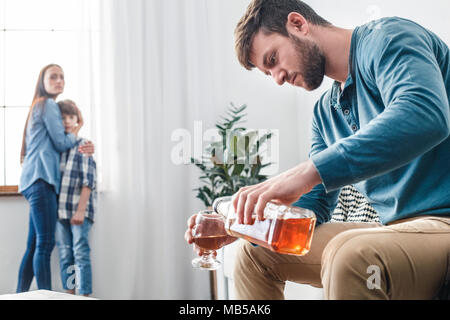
{"points": [[10, 191]]}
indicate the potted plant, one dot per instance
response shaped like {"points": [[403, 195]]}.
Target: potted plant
{"points": [[232, 162]]}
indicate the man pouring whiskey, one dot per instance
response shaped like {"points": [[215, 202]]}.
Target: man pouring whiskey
{"points": [[382, 127]]}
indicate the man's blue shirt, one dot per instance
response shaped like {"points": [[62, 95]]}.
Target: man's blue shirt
{"points": [[387, 132]]}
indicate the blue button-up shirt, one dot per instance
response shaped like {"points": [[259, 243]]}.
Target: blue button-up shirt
{"points": [[387, 131], [45, 140]]}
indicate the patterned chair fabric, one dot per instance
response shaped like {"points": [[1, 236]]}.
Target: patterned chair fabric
{"points": [[353, 207]]}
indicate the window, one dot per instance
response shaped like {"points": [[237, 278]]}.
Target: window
{"points": [[32, 35]]}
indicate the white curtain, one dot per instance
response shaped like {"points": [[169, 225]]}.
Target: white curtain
{"points": [[158, 72], [163, 69]]}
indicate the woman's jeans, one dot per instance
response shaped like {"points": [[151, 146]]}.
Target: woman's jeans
{"points": [[74, 255], [41, 236]]}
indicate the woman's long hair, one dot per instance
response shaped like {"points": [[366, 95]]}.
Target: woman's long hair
{"points": [[40, 96]]}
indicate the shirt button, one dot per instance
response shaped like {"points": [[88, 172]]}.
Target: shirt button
{"points": [[346, 112], [354, 127]]}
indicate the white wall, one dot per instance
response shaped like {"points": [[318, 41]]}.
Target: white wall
{"points": [[346, 13], [13, 235], [13, 230]]}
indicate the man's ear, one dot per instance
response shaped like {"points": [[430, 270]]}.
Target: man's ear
{"points": [[296, 23]]}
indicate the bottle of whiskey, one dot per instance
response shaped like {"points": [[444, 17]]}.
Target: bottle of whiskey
{"points": [[284, 229]]}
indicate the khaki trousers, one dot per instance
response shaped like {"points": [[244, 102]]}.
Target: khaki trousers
{"points": [[408, 259]]}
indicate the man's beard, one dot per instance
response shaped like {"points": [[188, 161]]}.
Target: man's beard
{"points": [[312, 62]]}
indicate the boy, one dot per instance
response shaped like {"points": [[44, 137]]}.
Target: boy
{"points": [[77, 205]]}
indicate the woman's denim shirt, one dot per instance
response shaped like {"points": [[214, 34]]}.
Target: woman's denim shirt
{"points": [[45, 140]]}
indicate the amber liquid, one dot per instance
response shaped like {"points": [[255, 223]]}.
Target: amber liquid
{"points": [[287, 236], [211, 242]]}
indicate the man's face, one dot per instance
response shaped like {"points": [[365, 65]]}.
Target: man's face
{"points": [[70, 122], [299, 62]]}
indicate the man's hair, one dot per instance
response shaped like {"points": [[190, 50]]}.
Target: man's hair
{"points": [[68, 107], [269, 16]]}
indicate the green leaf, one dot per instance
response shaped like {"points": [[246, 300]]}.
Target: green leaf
{"points": [[266, 165], [224, 179]]}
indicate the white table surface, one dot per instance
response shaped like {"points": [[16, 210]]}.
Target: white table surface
{"points": [[43, 295]]}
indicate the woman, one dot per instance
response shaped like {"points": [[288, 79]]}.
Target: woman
{"points": [[44, 139]]}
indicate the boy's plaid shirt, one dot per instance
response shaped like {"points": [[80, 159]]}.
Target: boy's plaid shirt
{"points": [[76, 171]]}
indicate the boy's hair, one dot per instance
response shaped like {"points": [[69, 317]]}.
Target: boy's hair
{"points": [[269, 16], [68, 107]]}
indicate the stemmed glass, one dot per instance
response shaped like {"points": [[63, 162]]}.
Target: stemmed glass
{"points": [[209, 234]]}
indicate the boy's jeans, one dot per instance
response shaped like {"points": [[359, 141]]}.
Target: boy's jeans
{"points": [[74, 255], [41, 236]]}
